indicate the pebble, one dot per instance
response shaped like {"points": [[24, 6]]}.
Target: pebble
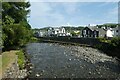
{"points": [[74, 59], [55, 76], [81, 67], [43, 71], [98, 72], [37, 75], [73, 74], [31, 67], [90, 72], [68, 66], [69, 59]]}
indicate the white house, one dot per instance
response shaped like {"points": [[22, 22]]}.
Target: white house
{"points": [[112, 32], [59, 31], [109, 32]]}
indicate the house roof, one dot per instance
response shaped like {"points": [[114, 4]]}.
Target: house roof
{"points": [[101, 30], [59, 28]]}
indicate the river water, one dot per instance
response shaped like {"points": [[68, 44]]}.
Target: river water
{"points": [[52, 60]]}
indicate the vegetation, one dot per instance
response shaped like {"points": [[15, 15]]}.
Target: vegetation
{"points": [[111, 25], [8, 58], [16, 30], [110, 47], [68, 28], [75, 33], [21, 59], [73, 28]]}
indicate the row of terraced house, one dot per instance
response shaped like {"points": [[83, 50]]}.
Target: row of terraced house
{"points": [[52, 32], [87, 32], [95, 32]]}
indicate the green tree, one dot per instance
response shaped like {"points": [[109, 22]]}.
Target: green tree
{"points": [[16, 29], [17, 10]]}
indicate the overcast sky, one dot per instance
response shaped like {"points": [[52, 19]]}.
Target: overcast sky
{"points": [[44, 14]]}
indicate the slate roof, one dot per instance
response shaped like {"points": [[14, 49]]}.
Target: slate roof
{"points": [[102, 32]]}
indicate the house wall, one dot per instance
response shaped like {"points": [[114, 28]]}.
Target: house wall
{"points": [[115, 32], [109, 33], [119, 31], [86, 32]]}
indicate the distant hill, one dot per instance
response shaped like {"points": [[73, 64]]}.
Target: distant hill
{"points": [[66, 28], [111, 25], [73, 28]]}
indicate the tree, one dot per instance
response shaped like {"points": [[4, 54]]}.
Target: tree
{"points": [[16, 29], [16, 10]]}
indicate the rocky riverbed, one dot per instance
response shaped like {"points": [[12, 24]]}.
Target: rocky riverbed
{"points": [[67, 61]]}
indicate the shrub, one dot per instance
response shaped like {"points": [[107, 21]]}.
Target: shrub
{"points": [[116, 42], [21, 59]]}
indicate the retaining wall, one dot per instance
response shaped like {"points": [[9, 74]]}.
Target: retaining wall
{"points": [[88, 41]]}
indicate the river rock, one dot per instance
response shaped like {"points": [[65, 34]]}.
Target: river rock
{"points": [[37, 75]]}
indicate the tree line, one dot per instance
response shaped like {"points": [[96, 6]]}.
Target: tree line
{"points": [[16, 30]]}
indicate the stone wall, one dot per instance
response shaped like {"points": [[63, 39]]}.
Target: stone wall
{"points": [[88, 41]]}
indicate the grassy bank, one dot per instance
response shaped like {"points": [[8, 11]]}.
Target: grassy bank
{"points": [[21, 59], [110, 47], [9, 57]]}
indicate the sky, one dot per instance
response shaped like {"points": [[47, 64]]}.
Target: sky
{"points": [[56, 14]]}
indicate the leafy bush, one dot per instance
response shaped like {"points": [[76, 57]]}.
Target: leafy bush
{"points": [[110, 47], [21, 59], [16, 35], [104, 40], [116, 42]]}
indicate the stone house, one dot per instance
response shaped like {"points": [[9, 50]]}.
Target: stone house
{"points": [[87, 32], [93, 32]]}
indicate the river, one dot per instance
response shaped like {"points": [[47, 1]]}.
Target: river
{"points": [[52, 60]]}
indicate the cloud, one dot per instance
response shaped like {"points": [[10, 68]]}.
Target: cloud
{"points": [[45, 14], [112, 14], [40, 9], [70, 8]]}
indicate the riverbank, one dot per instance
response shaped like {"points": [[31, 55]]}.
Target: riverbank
{"points": [[14, 64], [109, 47]]}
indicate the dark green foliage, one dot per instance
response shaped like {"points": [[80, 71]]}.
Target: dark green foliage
{"points": [[110, 47], [116, 42], [16, 30], [16, 35], [111, 25], [17, 10], [73, 28]]}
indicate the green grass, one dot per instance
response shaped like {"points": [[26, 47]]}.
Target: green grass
{"points": [[21, 59], [7, 58]]}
